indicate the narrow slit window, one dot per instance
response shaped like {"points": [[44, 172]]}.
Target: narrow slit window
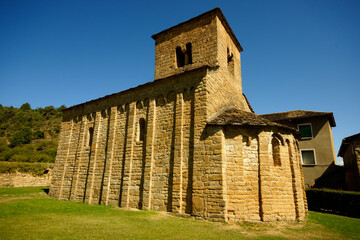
{"points": [[141, 129], [91, 136], [230, 60], [188, 58], [229, 56]]}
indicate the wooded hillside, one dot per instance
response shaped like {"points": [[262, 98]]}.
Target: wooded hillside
{"points": [[29, 135]]}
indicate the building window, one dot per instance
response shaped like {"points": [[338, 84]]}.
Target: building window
{"points": [[141, 131], [308, 157], [91, 136], [188, 55], [180, 57], [230, 60], [184, 56], [276, 151], [305, 130]]}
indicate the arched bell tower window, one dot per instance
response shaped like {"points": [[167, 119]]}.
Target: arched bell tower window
{"points": [[184, 56]]}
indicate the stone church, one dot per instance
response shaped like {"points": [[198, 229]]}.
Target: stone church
{"points": [[187, 142]]}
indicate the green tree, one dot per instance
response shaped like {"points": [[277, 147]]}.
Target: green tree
{"points": [[25, 106], [24, 136], [38, 135], [3, 144]]}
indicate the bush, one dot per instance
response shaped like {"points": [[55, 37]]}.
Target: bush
{"points": [[38, 135], [24, 136], [338, 202]]}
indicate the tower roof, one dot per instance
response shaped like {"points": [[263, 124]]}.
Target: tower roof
{"points": [[214, 12]]}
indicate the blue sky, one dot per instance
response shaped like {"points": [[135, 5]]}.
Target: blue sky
{"points": [[297, 54]]}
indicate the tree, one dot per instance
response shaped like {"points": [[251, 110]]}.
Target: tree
{"points": [[62, 107], [25, 107], [24, 136], [38, 135]]}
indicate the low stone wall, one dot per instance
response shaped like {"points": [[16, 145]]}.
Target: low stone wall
{"points": [[19, 179]]}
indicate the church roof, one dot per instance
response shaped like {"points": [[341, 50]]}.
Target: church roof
{"points": [[298, 114], [213, 12], [238, 117]]}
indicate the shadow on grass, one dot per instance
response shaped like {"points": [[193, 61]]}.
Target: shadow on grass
{"points": [[46, 190]]}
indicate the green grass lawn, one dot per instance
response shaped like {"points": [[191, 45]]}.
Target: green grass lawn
{"points": [[28, 213]]}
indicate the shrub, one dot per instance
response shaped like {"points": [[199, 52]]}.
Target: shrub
{"points": [[3, 144], [38, 135], [24, 136], [338, 202]]}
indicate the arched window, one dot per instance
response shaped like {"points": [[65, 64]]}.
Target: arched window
{"points": [[276, 151], [141, 132], [184, 56]]}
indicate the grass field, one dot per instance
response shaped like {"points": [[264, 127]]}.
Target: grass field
{"points": [[28, 213]]}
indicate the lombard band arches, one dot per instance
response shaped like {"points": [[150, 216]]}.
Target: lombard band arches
{"points": [[105, 113], [146, 102], [171, 96], [89, 117], [127, 107], [120, 109], [160, 100], [139, 104]]}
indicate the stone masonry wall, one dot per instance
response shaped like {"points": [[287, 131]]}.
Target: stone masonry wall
{"points": [[113, 166], [203, 38], [19, 179], [255, 186], [224, 82]]}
